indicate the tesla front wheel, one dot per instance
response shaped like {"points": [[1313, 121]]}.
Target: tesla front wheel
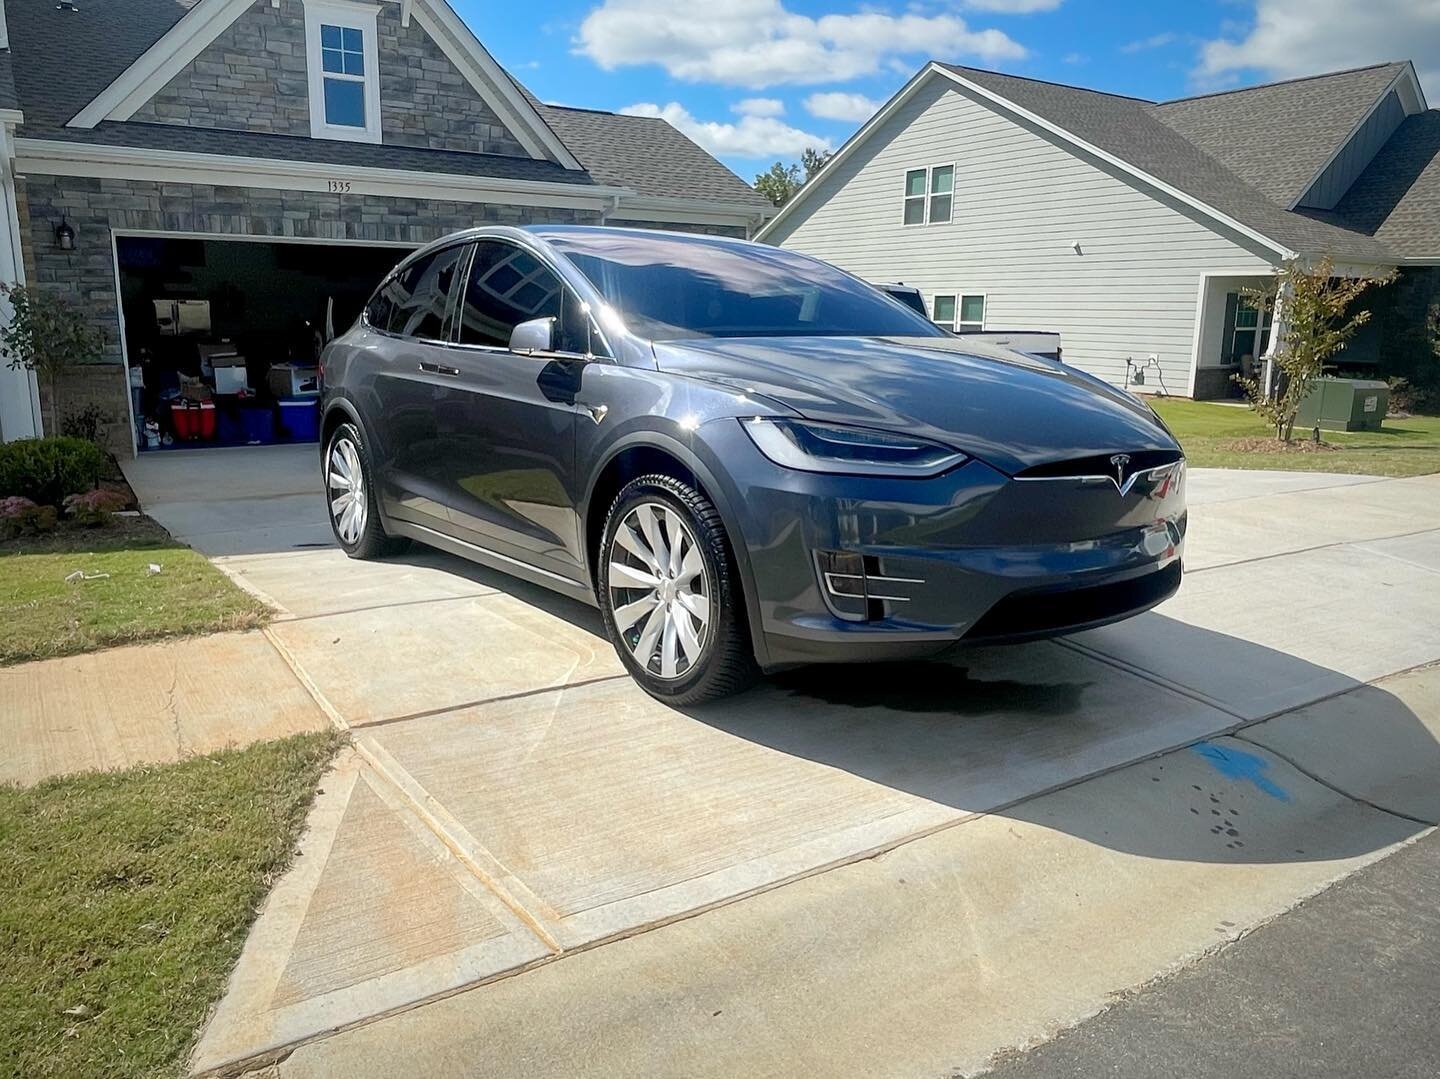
{"points": [[350, 497], [669, 593]]}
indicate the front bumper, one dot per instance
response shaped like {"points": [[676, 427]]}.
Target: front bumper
{"points": [[847, 568]]}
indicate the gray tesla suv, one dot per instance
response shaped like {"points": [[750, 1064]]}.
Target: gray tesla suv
{"points": [[745, 457]]}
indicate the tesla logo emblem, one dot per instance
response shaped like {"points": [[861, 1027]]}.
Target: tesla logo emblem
{"points": [[1120, 460]]}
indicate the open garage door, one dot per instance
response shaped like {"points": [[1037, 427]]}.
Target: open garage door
{"points": [[222, 337]]}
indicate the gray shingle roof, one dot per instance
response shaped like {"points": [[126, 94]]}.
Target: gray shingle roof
{"points": [[1278, 136], [1132, 130], [647, 154], [105, 37], [1397, 197], [64, 58]]}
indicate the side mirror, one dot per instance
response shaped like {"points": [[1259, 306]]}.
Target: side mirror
{"points": [[537, 335]]}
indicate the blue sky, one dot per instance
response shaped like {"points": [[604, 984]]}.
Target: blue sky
{"points": [[756, 80]]}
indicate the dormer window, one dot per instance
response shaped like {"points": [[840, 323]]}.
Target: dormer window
{"points": [[340, 50]]}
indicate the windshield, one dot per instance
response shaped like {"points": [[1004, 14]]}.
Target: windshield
{"points": [[671, 287]]}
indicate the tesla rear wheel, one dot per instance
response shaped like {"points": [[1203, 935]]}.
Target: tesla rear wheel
{"points": [[669, 593], [350, 497]]}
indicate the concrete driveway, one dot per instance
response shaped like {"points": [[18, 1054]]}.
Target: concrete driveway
{"points": [[514, 799]]}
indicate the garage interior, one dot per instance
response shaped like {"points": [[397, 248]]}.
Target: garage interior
{"points": [[223, 337]]}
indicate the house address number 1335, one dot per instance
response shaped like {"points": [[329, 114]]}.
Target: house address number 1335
{"points": [[338, 187]]}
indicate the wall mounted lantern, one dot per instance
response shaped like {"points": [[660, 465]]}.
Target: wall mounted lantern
{"points": [[64, 236]]}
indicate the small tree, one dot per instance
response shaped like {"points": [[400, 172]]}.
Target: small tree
{"points": [[1316, 324], [47, 335], [779, 182], [813, 160]]}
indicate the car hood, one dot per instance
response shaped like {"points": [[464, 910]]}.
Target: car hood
{"points": [[1009, 409]]}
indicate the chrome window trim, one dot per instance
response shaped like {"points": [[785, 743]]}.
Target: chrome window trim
{"points": [[1154, 471]]}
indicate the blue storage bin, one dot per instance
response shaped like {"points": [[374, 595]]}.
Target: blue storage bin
{"points": [[300, 416], [257, 425]]}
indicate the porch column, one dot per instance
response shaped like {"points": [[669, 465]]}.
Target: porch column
{"points": [[19, 397], [1277, 327]]}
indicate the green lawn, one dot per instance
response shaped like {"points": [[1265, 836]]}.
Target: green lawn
{"points": [[1408, 447], [42, 616], [125, 898]]}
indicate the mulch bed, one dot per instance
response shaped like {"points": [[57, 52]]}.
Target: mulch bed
{"points": [[1274, 445]]}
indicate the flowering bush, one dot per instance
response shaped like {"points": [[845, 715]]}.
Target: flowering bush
{"points": [[21, 517], [93, 507]]}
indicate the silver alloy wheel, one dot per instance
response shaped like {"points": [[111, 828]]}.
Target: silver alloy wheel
{"points": [[345, 482], [659, 590]]}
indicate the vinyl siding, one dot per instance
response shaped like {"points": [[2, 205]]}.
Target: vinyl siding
{"points": [[1020, 203], [1330, 186]]}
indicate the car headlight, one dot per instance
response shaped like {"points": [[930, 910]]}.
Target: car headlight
{"points": [[853, 451]]}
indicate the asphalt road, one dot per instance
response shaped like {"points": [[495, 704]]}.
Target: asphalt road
{"points": [[1347, 984]]}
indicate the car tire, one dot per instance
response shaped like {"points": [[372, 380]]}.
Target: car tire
{"points": [[354, 514], [677, 619]]}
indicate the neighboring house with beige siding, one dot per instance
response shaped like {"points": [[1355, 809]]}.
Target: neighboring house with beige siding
{"points": [[1132, 228]]}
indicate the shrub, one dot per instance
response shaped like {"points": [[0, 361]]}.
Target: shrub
{"points": [[22, 517], [46, 470], [93, 508], [85, 423]]}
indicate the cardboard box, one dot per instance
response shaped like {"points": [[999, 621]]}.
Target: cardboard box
{"points": [[294, 380]]}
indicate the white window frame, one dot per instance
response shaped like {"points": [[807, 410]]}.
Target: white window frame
{"points": [[353, 16], [955, 325], [1264, 325], [906, 197]]}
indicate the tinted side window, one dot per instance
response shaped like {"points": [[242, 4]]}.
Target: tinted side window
{"points": [[508, 285], [414, 301]]}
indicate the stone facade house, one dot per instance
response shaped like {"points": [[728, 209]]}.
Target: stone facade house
{"points": [[261, 155], [1139, 229]]}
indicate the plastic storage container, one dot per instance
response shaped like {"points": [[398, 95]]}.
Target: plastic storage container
{"points": [[300, 416], [194, 420], [257, 425]]}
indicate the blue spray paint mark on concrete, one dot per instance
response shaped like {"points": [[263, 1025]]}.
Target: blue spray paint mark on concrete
{"points": [[1238, 765]]}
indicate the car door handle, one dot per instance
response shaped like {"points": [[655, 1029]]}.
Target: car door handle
{"points": [[438, 369]]}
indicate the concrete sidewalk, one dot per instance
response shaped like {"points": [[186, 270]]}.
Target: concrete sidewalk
{"points": [[147, 704]]}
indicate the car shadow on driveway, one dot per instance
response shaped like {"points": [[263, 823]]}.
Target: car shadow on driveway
{"points": [[951, 730]]}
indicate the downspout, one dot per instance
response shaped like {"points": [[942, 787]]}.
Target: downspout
{"points": [[611, 210]]}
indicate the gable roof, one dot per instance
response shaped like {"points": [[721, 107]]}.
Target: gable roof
{"points": [[1132, 130], [203, 21], [1139, 138], [101, 40], [1397, 197], [106, 39], [1278, 137], [647, 154]]}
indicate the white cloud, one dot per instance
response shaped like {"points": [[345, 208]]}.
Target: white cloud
{"points": [[1307, 37], [854, 108], [1075, 58], [1154, 41], [758, 43], [1013, 7], [759, 106], [751, 136]]}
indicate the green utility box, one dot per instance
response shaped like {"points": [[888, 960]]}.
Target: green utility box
{"points": [[1344, 404]]}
